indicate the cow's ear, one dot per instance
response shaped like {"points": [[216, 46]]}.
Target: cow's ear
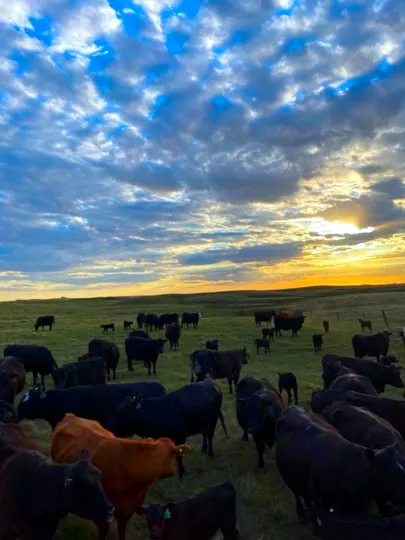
{"points": [[141, 510], [370, 454], [84, 455]]}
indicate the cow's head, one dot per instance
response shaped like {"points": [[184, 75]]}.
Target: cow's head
{"points": [[59, 377], [157, 517], [33, 404], [317, 400], [388, 473]]}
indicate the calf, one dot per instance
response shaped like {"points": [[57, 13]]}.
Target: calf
{"points": [[191, 410], [172, 334], [27, 480], [14, 367], [35, 358], [107, 327], [375, 345], [365, 324], [45, 320], [91, 371], [288, 382], [127, 325], [326, 326], [218, 364], [212, 344], [107, 350], [199, 517], [145, 350], [317, 341], [141, 320], [268, 332], [262, 344]]}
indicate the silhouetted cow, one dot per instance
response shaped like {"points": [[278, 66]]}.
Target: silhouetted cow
{"points": [[45, 320], [107, 327]]}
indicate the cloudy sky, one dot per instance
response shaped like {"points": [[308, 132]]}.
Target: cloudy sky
{"points": [[155, 146]]}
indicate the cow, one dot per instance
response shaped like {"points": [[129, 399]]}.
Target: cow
{"points": [[36, 358], [127, 325], [107, 350], [152, 322], [27, 480], [8, 414], [317, 342], [139, 333], [13, 439], [145, 350], [332, 368], [262, 344], [172, 334], [363, 427], [212, 344], [15, 367], [326, 326], [378, 374], [264, 316], [198, 517], [91, 371], [219, 364], [140, 320], [8, 387], [387, 360], [365, 324], [268, 333], [168, 318], [288, 381], [355, 382], [128, 467], [45, 320], [258, 405], [96, 402], [107, 327], [190, 410], [288, 323], [190, 318], [375, 345], [317, 462]]}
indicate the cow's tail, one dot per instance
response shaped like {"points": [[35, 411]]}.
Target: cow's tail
{"points": [[192, 368], [221, 419]]}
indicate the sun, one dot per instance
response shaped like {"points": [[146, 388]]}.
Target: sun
{"points": [[336, 228]]}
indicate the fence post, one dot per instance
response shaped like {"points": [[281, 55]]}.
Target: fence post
{"points": [[384, 317]]}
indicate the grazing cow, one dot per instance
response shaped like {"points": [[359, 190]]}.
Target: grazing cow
{"points": [[36, 495], [96, 402], [218, 364], [212, 344], [107, 327], [378, 374], [317, 342], [365, 324], [36, 358], [152, 322], [128, 467], [363, 427], [264, 316], [139, 333], [8, 414], [91, 371], [13, 440], [326, 326], [288, 323], [190, 318], [107, 350], [127, 325], [288, 382], [172, 334], [45, 320], [376, 345], [196, 518], [316, 462], [262, 344], [268, 332], [190, 410], [387, 360], [168, 318], [14, 366], [141, 320], [145, 350]]}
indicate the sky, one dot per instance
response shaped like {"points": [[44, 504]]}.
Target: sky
{"points": [[159, 146]]}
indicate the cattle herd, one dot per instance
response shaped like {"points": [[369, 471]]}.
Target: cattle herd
{"points": [[338, 459]]}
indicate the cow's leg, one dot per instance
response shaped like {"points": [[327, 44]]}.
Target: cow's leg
{"points": [[114, 374], [211, 434], [108, 374], [230, 385], [121, 526], [154, 366], [260, 450], [296, 395], [103, 529], [34, 377], [245, 436], [204, 446], [289, 395], [302, 516], [42, 379]]}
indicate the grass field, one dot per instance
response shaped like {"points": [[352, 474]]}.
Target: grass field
{"points": [[265, 507]]}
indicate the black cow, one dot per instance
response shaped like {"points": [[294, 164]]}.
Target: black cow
{"points": [[355, 382], [190, 318], [191, 410], [139, 333], [107, 327], [402, 335], [268, 332], [317, 342], [152, 322], [288, 323], [27, 480], [140, 320], [218, 364], [378, 374], [332, 368], [376, 345], [96, 402], [288, 381], [198, 517], [36, 358], [145, 350], [264, 316], [91, 371], [326, 325], [262, 344], [212, 344], [127, 325], [365, 324], [107, 350], [387, 360], [45, 320], [172, 334], [8, 414], [168, 318]]}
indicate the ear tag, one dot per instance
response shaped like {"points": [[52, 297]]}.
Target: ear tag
{"points": [[26, 398], [138, 406], [167, 514], [42, 395]]}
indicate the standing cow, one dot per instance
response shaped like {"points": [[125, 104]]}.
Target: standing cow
{"points": [[375, 345], [36, 358], [218, 364], [45, 320], [141, 320], [264, 316], [190, 318], [326, 326], [172, 334], [145, 350], [107, 350], [282, 322]]}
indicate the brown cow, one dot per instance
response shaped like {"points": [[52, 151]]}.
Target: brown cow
{"points": [[14, 366], [13, 440]]}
